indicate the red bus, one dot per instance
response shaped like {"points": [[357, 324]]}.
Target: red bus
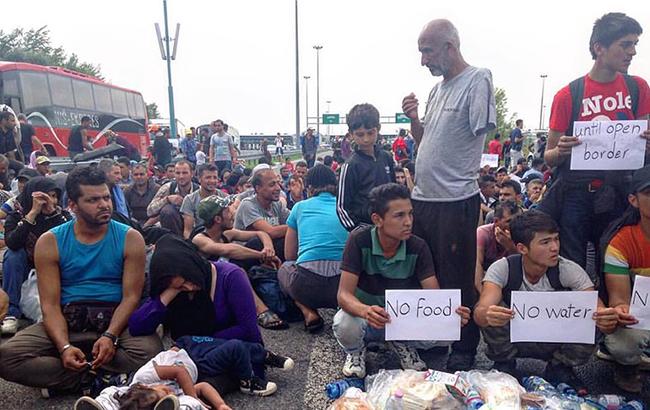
{"points": [[54, 100]]}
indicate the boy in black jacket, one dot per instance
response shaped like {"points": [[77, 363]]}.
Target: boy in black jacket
{"points": [[368, 167]]}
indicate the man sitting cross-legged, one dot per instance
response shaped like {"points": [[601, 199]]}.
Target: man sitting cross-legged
{"points": [[90, 279], [537, 268], [376, 258]]}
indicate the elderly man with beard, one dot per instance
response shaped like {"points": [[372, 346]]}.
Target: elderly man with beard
{"points": [[90, 280], [459, 113]]}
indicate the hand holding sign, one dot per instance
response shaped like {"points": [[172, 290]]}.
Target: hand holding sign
{"points": [[608, 145], [490, 159]]}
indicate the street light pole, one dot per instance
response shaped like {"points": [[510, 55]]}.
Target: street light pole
{"points": [[170, 89], [318, 48], [328, 111], [541, 104], [297, 81], [306, 77]]}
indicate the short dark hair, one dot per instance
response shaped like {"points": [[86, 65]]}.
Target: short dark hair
{"points": [[5, 115], [519, 122], [486, 179], [184, 162], [83, 176], [170, 165], [525, 225], [516, 186], [201, 169], [537, 162], [380, 197], [328, 160], [124, 160], [398, 168], [402, 132], [321, 178], [301, 163], [506, 206], [497, 136], [363, 115], [256, 180], [85, 118], [611, 27]]}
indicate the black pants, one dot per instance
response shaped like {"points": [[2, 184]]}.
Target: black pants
{"points": [[255, 243], [449, 228]]}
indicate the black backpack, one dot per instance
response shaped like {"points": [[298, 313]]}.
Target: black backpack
{"points": [[516, 277]]}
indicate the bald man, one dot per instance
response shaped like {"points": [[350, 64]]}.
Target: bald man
{"points": [[460, 111]]}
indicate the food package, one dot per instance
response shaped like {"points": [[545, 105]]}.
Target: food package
{"points": [[497, 389], [352, 399]]}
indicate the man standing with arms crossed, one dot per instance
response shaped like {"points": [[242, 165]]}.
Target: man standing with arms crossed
{"points": [[446, 202]]}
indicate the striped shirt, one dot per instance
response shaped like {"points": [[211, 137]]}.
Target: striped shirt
{"points": [[628, 253]]}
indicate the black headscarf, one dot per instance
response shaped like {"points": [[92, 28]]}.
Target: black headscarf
{"points": [[36, 184], [186, 316]]}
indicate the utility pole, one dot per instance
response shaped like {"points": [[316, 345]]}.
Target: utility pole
{"points": [[306, 77], [541, 104], [166, 55], [318, 49], [297, 81]]}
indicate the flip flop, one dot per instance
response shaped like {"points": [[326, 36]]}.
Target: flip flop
{"points": [[315, 326], [270, 320]]}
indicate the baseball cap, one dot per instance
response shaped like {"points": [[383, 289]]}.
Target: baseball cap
{"points": [[213, 205], [42, 160], [640, 179], [27, 174]]}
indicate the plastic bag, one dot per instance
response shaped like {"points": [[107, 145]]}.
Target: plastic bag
{"points": [[352, 399], [498, 390], [30, 304]]}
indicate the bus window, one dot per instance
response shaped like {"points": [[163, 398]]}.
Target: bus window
{"points": [[83, 95], [140, 109], [9, 84], [129, 104], [35, 90], [61, 90], [102, 99], [119, 102]]}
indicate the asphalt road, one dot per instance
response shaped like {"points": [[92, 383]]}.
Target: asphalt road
{"points": [[318, 361]]}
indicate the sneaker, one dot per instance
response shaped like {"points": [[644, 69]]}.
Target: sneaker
{"points": [[9, 326], [409, 357], [169, 402], [557, 373], [277, 361], [628, 378], [257, 387], [603, 353], [508, 366], [87, 403], [355, 364], [460, 361]]}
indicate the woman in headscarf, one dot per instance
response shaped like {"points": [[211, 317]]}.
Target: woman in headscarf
{"points": [[191, 296]]}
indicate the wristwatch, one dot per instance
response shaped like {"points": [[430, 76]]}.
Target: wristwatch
{"points": [[111, 336]]}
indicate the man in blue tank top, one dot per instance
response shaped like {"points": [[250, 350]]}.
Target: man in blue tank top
{"points": [[90, 279]]}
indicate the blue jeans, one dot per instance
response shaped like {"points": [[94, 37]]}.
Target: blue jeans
{"points": [[15, 270], [233, 357], [353, 333]]}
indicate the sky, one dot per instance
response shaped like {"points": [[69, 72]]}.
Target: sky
{"points": [[236, 59]]}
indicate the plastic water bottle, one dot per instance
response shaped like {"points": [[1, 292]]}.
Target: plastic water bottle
{"points": [[611, 401], [473, 400], [566, 389], [633, 405], [336, 389], [538, 385], [395, 402]]}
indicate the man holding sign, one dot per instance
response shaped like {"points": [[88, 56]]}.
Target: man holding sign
{"points": [[627, 256], [584, 202], [538, 268], [379, 258]]}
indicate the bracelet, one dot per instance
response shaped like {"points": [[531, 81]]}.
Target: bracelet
{"points": [[112, 337], [64, 348], [28, 221]]}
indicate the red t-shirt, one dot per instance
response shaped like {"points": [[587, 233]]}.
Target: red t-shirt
{"points": [[601, 102], [494, 147]]}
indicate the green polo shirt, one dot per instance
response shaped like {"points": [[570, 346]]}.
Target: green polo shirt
{"points": [[364, 257]]}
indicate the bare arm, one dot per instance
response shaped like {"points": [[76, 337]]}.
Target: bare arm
{"points": [[188, 225], [38, 143], [228, 250], [345, 296], [180, 375], [410, 108], [479, 272], [488, 312], [558, 148], [158, 201], [211, 153], [291, 245], [211, 395], [84, 139], [274, 232]]}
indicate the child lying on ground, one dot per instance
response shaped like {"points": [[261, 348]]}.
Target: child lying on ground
{"points": [[166, 382]]}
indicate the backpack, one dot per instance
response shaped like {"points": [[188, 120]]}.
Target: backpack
{"points": [[516, 277], [577, 89], [265, 283]]}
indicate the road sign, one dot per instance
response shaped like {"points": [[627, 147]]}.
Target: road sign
{"points": [[400, 117], [330, 118]]}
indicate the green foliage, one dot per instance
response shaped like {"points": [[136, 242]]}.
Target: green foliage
{"points": [[152, 111], [505, 123], [35, 46]]}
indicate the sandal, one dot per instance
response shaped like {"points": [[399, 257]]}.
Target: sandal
{"points": [[315, 326], [270, 320]]}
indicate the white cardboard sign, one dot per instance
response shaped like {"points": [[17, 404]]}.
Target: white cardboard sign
{"points": [[553, 317], [423, 314], [639, 303], [608, 145], [490, 159]]}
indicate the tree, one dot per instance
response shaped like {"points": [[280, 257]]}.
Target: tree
{"points": [[152, 111], [35, 46], [505, 123]]}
